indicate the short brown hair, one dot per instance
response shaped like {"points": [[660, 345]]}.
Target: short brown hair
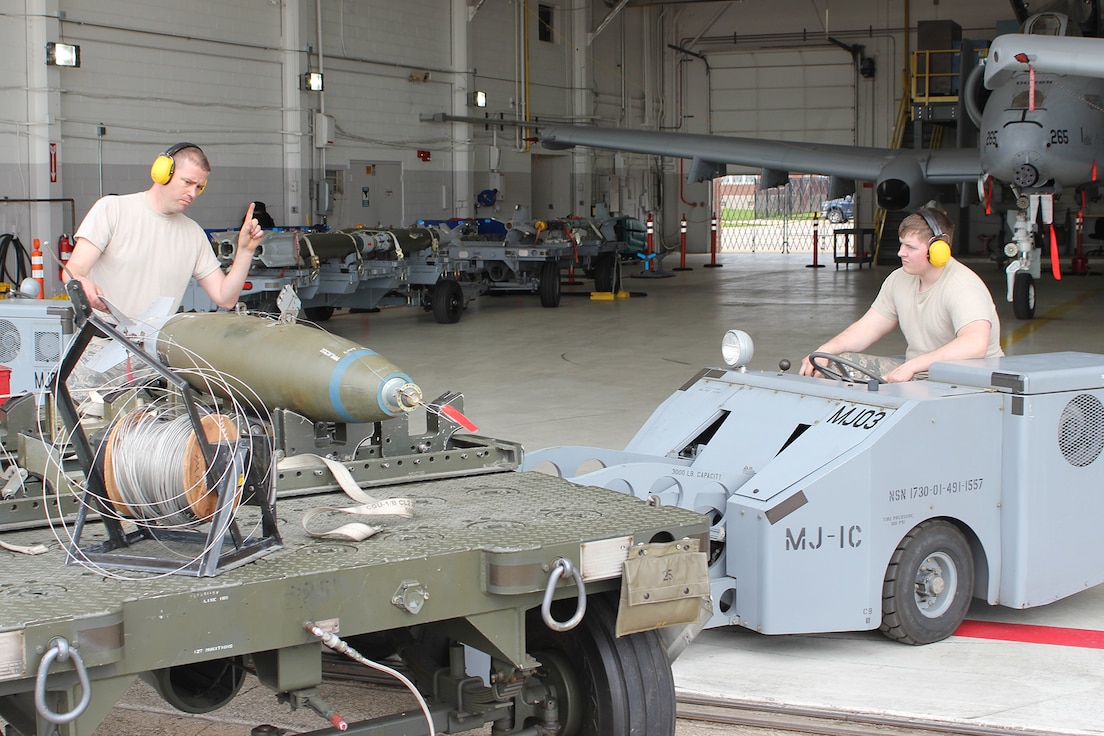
{"points": [[916, 224], [196, 155]]}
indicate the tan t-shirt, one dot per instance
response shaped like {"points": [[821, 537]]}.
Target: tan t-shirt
{"points": [[931, 319], [145, 254]]}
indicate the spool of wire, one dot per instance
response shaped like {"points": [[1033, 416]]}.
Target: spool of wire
{"points": [[154, 468]]}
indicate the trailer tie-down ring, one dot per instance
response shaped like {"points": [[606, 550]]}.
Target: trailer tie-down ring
{"points": [[562, 567], [61, 651]]}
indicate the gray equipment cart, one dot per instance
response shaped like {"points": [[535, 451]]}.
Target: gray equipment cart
{"points": [[842, 505]]}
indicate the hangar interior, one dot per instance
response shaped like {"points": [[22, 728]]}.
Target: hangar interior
{"points": [[235, 79], [231, 79]]}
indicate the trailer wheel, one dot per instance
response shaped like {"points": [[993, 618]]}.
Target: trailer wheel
{"points": [[448, 301], [604, 685], [1023, 296], [316, 314], [607, 273], [550, 284], [928, 584]]}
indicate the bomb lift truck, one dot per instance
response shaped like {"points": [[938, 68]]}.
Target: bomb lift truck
{"points": [[844, 505]]}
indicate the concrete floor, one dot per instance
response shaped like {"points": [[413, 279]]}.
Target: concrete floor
{"points": [[590, 373]]}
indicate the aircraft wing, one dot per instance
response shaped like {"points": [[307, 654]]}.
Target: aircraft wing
{"points": [[905, 177]]}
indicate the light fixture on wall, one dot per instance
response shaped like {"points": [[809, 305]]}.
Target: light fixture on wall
{"points": [[312, 81], [62, 54], [479, 98]]}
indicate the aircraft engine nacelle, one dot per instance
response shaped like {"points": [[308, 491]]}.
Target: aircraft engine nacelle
{"points": [[901, 185]]}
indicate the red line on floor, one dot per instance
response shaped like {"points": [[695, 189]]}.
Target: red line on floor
{"points": [[1030, 634]]}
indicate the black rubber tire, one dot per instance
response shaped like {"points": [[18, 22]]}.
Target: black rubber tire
{"points": [[448, 301], [550, 284], [616, 686], [607, 273], [265, 305], [318, 314], [201, 687], [835, 216], [928, 585], [1023, 296]]}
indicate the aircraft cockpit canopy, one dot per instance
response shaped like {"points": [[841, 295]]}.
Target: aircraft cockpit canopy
{"points": [[1050, 24]]}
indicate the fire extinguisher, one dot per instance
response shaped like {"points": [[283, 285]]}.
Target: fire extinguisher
{"points": [[65, 249]]}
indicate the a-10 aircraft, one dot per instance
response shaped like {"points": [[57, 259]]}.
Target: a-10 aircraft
{"points": [[1041, 134]]}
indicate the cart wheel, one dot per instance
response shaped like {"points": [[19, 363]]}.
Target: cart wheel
{"points": [[265, 305], [604, 685], [550, 284], [928, 584], [448, 301], [1023, 296], [317, 314], [607, 273]]}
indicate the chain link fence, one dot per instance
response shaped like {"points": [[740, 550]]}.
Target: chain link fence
{"points": [[779, 219]]}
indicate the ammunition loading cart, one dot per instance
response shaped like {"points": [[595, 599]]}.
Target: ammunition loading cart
{"points": [[359, 268], [529, 256], [523, 568]]}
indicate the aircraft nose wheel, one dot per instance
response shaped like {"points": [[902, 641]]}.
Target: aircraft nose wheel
{"points": [[1023, 296]]}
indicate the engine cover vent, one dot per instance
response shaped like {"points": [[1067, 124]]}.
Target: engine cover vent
{"points": [[1081, 430], [10, 341], [47, 347]]}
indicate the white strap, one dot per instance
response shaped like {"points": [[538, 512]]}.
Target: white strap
{"points": [[369, 506]]}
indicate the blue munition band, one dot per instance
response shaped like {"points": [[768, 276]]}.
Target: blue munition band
{"points": [[339, 371]]}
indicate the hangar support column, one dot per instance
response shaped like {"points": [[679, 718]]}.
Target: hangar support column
{"points": [[582, 185], [43, 133], [295, 167], [463, 153]]}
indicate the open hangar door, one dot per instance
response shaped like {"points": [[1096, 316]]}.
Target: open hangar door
{"points": [[793, 94]]}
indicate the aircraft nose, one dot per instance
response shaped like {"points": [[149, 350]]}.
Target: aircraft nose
{"points": [[1026, 175]]}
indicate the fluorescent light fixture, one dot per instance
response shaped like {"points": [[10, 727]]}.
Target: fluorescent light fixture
{"points": [[312, 81], [479, 98], [62, 54]]}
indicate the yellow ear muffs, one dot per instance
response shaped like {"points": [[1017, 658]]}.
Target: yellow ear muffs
{"points": [[939, 250], [162, 170], [163, 166]]}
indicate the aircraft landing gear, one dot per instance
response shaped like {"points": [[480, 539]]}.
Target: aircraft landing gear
{"points": [[1023, 296], [1025, 268]]}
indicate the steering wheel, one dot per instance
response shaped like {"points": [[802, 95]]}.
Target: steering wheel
{"points": [[839, 373]]}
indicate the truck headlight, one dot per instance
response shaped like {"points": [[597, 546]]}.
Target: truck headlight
{"points": [[737, 348]]}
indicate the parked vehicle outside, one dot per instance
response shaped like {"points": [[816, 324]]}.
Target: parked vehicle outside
{"points": [[838, 210]]}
